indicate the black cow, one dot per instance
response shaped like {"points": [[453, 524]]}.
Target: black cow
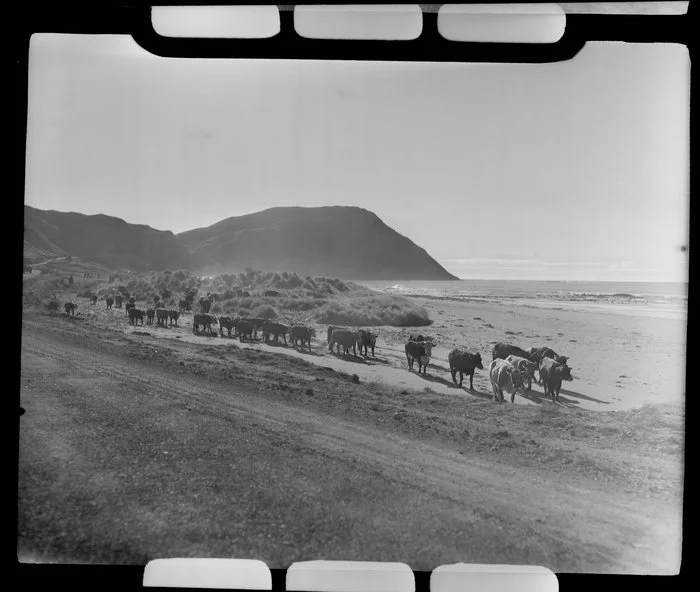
{"points": [[93, 299], [110, 302], [227, 323], [162, 317], [421, 351], [332, 328], [70, 308], [245, 329], [173, 316], [205, 320], [551, 375], [127, 307], [464, 363], [346, 338], [257, 322], [118, 300], [185, 306], [503, 350], [150, 313], [135, 315], [366, 339], [303, 334], [205, 304], [538, 353], [275, 329]]}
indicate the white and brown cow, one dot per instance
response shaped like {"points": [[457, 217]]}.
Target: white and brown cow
{"points": [[526, 369], [504, 378]]}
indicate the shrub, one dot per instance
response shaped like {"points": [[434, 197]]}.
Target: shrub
{"points": [[52, 305], [372, 311], [265, 312], [301, 305]]}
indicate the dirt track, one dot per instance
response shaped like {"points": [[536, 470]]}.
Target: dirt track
{"points": [[133, 448]]}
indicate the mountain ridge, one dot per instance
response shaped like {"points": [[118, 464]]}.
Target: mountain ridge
{"points": [[341, 241], [347, 241], [104, 239]]}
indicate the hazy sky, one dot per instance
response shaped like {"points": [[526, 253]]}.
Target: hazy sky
{"points": [[573, 170]]}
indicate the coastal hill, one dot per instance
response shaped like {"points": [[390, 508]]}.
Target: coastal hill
{"points": [[102, 239], [337, 241], [340, 241]]}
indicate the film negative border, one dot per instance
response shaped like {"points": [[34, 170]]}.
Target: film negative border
{"points": [[134, 20], [429, 46]]}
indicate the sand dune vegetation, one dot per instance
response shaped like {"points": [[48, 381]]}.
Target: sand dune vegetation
{"points": [[283, 296]]}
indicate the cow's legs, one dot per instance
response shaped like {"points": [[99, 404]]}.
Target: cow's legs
{"points": [[471, 381], [453, 371]]}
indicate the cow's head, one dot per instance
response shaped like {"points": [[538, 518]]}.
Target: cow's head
{"points": [[530, 368], [477, 360], [518, 380], [562, 359], [428, 346], [565, 372], [516, 377]]}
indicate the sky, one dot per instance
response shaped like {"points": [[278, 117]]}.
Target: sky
{"points": [[575, 170]]}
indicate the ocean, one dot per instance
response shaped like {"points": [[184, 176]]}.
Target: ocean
{"points": [[651, 299]]}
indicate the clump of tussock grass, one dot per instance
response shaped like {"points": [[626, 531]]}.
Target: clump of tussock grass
{"points": [[265, 312], [52, 305], [373, 310]]}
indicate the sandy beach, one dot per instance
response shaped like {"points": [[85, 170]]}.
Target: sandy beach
{"points": [[618, 361]]}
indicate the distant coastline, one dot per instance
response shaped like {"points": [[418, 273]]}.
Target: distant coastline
{"points": [[648, 299]]}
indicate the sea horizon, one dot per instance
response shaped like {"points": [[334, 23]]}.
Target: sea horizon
{"points": [[648, 299]]}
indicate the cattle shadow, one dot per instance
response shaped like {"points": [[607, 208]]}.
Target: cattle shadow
{"points": [[350, 358], [279, 344], [375, 359], [567, 401], [437, 379], [449, 384], [306, 352], [477, 393], [582, 396], [532, 396]]}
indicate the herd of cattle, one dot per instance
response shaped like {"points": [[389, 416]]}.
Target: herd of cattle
{"points": [[511, 371]]}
